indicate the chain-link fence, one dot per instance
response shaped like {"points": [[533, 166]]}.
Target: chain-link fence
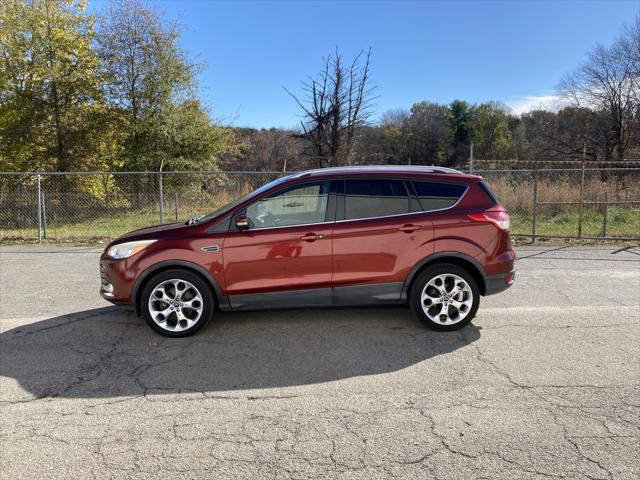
{"points": [[574, 202]]}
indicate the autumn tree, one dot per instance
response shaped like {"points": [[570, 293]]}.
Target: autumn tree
{"points": [[49, 83], [152, 80]]}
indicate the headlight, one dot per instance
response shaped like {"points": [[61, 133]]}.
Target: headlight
{"points": [[124, 250]]}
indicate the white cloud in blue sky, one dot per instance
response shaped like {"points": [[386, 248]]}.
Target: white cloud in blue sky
{"points": [[525, 104]]}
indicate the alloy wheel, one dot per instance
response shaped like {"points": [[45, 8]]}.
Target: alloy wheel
{"points": [[446, 299], [175, 305]]}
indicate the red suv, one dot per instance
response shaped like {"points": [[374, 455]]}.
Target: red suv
{"points": [[429, 236]]}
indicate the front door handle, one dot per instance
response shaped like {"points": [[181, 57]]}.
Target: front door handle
{"points": [[311, 237], [409, 227]]}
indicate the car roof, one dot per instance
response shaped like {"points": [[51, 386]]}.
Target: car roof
{"points": [[394, 170]]}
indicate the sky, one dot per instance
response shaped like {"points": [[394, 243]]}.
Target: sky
{"points": [[511, 51]]}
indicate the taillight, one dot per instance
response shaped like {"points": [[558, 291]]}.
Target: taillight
{"points": [[500, 218]]}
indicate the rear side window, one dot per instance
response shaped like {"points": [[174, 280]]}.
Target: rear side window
{"points": [[374, 198], [436, 196]]}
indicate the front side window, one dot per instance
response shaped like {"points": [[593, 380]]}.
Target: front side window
{"points": [[296, 206], [374, 198], [436, 196]]}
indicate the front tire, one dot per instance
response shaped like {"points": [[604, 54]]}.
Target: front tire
{"points": [[444, 297], [177, 303]]}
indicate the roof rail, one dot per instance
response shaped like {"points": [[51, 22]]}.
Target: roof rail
{"points": [[422, 168]]}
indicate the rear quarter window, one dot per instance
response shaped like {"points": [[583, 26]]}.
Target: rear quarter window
{"points": [[437, 196]]}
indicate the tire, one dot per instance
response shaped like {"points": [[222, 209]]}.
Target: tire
{"points": [[426, 291], [177, 303]]}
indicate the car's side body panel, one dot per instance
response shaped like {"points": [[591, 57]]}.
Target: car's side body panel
{"points": [[273, 259], [376, 250]]}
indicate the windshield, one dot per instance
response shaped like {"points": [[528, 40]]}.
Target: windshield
{"points": [[231, 205]]}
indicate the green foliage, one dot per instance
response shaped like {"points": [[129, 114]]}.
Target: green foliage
{"points": [[124, 98], [49, 83], [490, 131], [441, 134]]}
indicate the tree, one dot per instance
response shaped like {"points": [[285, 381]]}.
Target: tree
{"points": [[427, 134], [490, 131], [336, 105], [394, 146], [268, 150], [606, 88], [460, 113], [536, 130], [49, 82], [152, 80]]}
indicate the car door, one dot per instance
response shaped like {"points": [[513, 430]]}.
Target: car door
{"points": [[379, 234], [284, 258]]}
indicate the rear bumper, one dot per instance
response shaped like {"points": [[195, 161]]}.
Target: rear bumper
{"points": [[498, 283]]}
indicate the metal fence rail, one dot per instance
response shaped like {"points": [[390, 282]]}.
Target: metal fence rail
{"points": [[575, 202]]}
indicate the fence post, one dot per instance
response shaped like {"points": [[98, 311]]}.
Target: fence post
{"points": [[606, 212], [39, 208], [471, 159], [161, 195], [44, 216], [175, 203], [580, 212], [534, 212]]}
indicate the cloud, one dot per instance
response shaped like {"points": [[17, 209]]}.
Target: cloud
{"points": [[533, 102]]}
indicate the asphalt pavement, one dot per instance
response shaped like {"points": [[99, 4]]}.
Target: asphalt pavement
{"points": [[545, 383]]}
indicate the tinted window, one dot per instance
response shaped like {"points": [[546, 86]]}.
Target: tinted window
{"points": [[436, 196], [374, 198], [296, 206]]}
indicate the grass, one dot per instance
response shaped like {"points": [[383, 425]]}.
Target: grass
{"points": [[622, 222], [92, 231]]}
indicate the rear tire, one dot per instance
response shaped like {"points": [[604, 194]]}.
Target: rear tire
{"points": [[444, 297], [177, 303]]}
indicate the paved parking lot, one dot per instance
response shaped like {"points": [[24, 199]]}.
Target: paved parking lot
{"points": [[544, 383]]}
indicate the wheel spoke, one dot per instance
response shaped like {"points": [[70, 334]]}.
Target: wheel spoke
{"points": [[193, 304]]}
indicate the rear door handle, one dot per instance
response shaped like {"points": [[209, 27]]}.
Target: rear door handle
{"points": [[409, 227], [311, 237]]}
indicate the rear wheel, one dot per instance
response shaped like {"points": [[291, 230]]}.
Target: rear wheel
{"points": [[444, 297], [177, 303]]}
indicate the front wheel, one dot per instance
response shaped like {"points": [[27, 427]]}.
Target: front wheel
{"points": [[444, 297], [177, 303]]}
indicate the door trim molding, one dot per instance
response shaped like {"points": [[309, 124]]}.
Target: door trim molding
{"points": [[362, 294]]}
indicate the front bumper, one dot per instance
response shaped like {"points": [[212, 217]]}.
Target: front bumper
{"points": [[498, 283], [115, 281]]}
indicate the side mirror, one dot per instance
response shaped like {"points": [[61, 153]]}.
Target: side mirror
{"points": [[242, 222]]}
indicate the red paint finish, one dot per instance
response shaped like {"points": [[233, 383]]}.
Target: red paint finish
{"points": [[331, 253], [380, 250], [286, 258]]}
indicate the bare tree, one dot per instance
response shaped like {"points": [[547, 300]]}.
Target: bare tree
{"points": [[336, 105], [606, 89], [273, 150]]}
